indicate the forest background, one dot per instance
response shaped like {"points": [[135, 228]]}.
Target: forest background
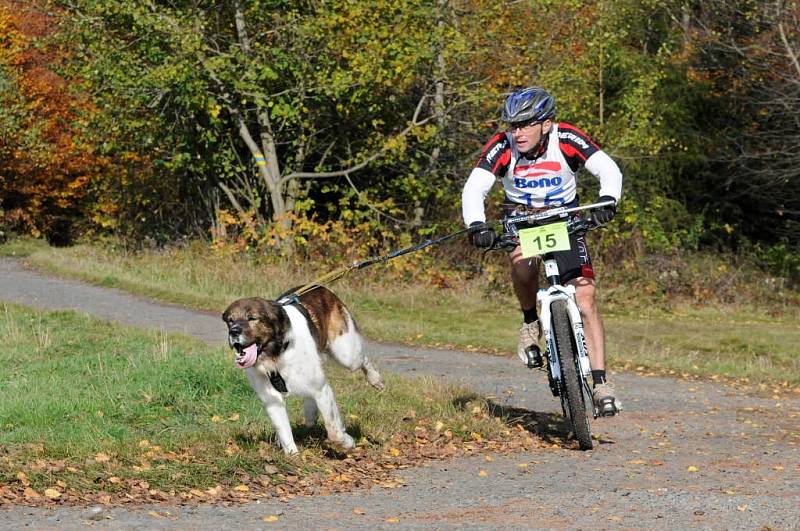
{"points": [[328, 131]]}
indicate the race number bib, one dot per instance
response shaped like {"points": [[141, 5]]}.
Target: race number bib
{"points": [[546, 239]]}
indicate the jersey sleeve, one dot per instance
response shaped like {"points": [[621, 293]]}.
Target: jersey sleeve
{"points": [[496, 155], [474, 194], [576, 145], [607, 172]]}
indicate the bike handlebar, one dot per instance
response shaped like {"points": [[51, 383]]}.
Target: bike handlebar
{"points": [[576, 224]]}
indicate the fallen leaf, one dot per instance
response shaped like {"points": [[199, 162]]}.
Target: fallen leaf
{"points": [[270, 518], [234, 417], [692, 469], [241, 488], [30, 493], [439, 426], [359, 510], [483, 473], [53, 494], [102, 458], [392, 520], [394, 451], [216, 419]]}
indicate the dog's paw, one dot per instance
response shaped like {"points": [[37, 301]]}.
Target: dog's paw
{"points": [[376, 382], [289, 449], [347, 442], [373, 377]]}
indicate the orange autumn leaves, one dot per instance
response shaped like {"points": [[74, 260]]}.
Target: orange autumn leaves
{"points": [[45, 168]]}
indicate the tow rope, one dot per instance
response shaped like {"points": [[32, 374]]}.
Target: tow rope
{"points": [[339, 273]]}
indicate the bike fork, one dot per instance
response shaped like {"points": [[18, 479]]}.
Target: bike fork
{"points": [[546, 298]]}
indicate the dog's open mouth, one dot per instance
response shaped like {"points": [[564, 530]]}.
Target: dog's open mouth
{"points": [[246, 356]]}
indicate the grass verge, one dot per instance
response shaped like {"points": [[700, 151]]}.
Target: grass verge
{"points": [[91, 410], [751, 342]]}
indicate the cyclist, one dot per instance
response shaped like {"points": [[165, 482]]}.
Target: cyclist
{"points": [[537, 159]]}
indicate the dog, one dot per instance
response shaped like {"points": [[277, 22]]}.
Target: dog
{"points": [[280, 344]]}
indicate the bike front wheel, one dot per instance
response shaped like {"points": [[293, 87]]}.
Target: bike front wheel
{"points": [[571, 385]]}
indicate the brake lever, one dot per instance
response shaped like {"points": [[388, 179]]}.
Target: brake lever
{"points": [[580, 225]]}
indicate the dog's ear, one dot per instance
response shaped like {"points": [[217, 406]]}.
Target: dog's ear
{"points": [[228, 313], [274, 317]]}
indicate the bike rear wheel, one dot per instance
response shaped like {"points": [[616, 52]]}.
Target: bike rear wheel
{"points": [[571, 385]]}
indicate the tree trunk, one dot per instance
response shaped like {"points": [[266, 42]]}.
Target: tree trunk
{"points": [[267, 157]]}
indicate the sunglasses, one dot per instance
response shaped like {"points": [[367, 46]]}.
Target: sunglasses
{"points": [[513, 126]]}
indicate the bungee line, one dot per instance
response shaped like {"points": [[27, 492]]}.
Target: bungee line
{"points": [[339, 273]]}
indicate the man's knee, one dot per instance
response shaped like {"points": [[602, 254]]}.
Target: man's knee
{"points": [[585, 295], [524, 273]]}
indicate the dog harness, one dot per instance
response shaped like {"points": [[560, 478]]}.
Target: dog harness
{"points": [[275, 377]]}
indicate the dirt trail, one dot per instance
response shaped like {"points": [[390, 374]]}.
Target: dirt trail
{"points": [[683, 454]]}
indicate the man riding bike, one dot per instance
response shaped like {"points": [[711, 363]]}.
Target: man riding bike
{"points": [[537, 160]]}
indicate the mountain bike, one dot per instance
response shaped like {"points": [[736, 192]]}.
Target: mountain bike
{"points": [[568, 367]]}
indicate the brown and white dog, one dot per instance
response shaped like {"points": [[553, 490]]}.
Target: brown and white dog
{"points": [[280, 344]]}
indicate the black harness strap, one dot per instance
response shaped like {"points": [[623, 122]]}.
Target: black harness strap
{"points": [[274, 376], [278, 382]]}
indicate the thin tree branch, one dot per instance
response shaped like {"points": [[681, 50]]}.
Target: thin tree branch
{"points": [[789, 51], [345, 172]]}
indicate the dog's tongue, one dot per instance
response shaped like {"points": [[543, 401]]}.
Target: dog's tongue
{"points": [[247, 358]]}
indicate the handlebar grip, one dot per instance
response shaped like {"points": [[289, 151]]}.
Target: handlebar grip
{"points": [[477, 226]]}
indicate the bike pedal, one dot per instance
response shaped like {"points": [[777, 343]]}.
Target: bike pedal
{"points": [[534, 355]]}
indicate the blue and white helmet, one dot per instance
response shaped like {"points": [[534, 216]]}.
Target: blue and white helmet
{"points": [[529, 104]]}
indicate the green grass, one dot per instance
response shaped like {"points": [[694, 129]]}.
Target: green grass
{"points": [[760, 343], [734, 343], [83, 400]]}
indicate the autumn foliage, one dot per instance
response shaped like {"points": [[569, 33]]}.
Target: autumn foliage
{"points": [[45, 167]]}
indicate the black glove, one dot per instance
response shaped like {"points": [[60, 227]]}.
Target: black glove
{"points": [[482, 234], [601, 216]]}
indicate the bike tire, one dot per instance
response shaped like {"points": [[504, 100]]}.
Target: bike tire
{"points": [[571, 388]]}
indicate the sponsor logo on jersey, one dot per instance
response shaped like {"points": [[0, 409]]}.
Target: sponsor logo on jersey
{"points": [[575, 139], [544, 182], [494, 151], [540, 175]]}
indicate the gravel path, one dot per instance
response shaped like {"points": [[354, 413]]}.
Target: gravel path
{"points": [[683, 454]]}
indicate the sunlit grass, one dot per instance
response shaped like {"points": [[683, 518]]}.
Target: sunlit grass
{"points": [[111, 401]]}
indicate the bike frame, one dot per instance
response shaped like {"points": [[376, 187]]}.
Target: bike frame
{"points": [[546, 297]]}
